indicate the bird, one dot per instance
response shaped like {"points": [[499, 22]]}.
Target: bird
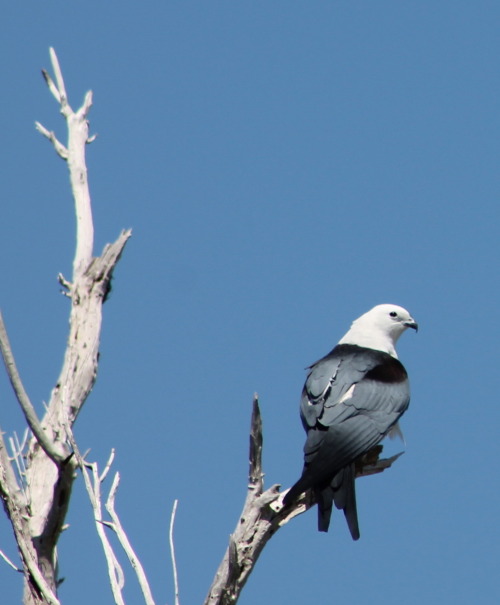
{"points": [[352, 398]]}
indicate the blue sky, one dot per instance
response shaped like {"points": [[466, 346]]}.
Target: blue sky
{"points": [[284, 166]]}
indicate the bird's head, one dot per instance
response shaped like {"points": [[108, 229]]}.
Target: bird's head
{"points": [[379, 328]]}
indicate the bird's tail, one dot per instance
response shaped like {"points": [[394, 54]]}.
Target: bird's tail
{"points": [[340, 490], [343, 491], [324, 498]]}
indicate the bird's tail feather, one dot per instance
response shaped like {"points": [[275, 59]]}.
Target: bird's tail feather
{"points": [[344, 496], [324, 498], [340, 490]]}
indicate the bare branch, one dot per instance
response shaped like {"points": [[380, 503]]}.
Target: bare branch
{"points": [[262, 516], [253, 528], [255, 475], [125, 543], [87, 104], [61, 88], [64, 282], [36, 580], [23, 399], [115, 571], [50, 135], [15, 506], [78, 135], [52, 87], [74, 153], [17, 456], [172, 552], [9, 562], [9, 489], [37, 514], [107, 468]]}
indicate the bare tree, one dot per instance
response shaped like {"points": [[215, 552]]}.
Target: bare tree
{"points": [[36, 500], [36, 480]]}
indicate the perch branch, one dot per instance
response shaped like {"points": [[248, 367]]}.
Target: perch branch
{"points": [[262, 516]]}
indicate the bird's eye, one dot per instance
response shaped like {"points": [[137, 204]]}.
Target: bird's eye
{"points": [[393, 314]]}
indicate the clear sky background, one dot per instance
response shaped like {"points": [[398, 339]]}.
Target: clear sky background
{"points": [[284, 167]]}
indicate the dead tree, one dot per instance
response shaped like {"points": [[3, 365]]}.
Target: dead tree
{"points": [[36, 499], [36, 483]]}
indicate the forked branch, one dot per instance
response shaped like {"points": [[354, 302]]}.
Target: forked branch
{"points": [[37, 513], [262, 516], [74, 154], [93, 487]]}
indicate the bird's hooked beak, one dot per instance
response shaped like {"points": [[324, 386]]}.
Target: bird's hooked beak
{"points": [[411, 323]]}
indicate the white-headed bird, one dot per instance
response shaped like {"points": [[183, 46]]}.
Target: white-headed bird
{"points": [[353, 398]]}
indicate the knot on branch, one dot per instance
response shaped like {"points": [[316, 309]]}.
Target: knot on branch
{"points": [[99, 271]]}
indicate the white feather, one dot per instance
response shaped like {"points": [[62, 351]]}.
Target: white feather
{"points": [[379, 328]]}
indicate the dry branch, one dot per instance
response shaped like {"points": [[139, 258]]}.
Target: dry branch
{"points": [[23, 399], [172, 552], [115, 571], [93, 487], [263, 514], [37, 513], [17, 509], [134, 560]]}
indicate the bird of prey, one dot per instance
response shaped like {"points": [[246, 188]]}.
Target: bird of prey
{"points": [[353, 397]]}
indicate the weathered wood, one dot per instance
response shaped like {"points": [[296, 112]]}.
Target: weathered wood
{"points": [[37, 513]]}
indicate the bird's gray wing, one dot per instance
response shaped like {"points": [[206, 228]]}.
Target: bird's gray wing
{"points": [[328, 381], [350, 401]]}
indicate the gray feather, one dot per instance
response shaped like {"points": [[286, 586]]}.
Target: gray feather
{"points": [[351, 399]]}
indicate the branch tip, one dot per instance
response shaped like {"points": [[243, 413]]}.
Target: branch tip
{"points": [[172, 551], [61, 89], [64, 283], [255, 453], [9, 562]]}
